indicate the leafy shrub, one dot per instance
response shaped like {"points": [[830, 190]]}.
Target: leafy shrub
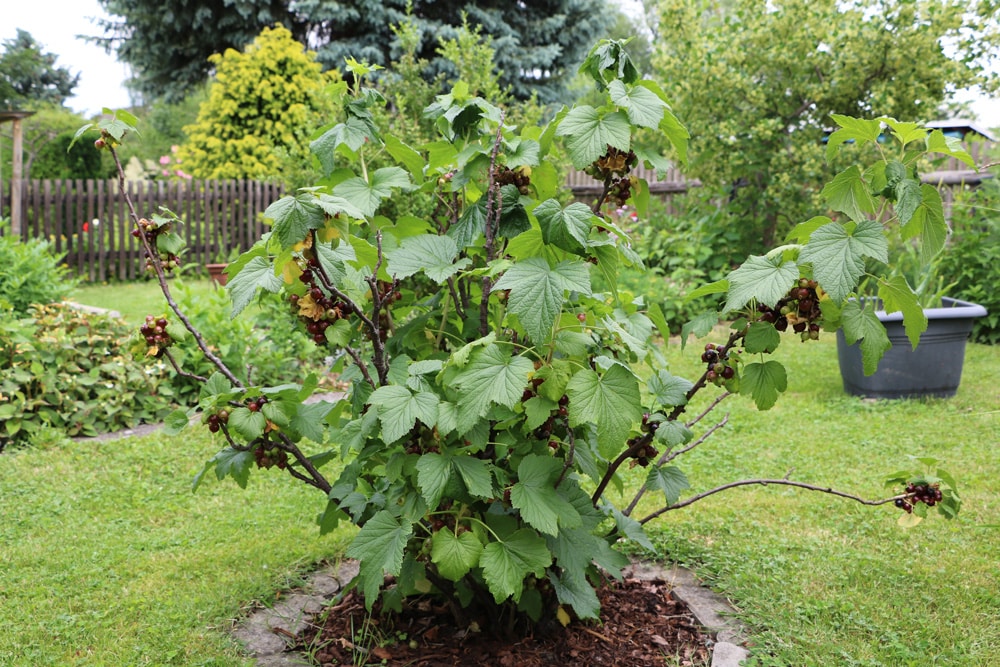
{"points": [[972, 262], [31, 274], [67, 370], [490, 418]]}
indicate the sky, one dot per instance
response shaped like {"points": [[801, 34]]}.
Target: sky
{"points": [[56, 23]]}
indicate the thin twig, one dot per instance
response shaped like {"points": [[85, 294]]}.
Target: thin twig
{"points": [[154, 258], [765, 482], [494, 207], [177, 368]]}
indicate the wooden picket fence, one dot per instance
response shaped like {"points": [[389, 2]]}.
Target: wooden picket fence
{"points": [[88, 220]]}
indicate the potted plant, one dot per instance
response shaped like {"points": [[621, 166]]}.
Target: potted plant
{"points": [[930, 365], [217, 268]]}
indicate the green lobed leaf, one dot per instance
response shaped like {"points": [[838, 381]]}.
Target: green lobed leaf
{"points": [[897, 296], [763, 382], [353, 133], [433, 475], [611, 401], [908, 198], [589, 133], [572, 588], [671, 480], [937, 142], [506, 564], [566, 228], [492, 376], [248, 425], [669, 389], [406, 156], [234, 463], [848, 193], [379, 547], [293, 216], [537, 292], [400, 409], [535, 496], [256, 273], [927, 223], [837, 254], [701, 325], [475, 474], [174, 423], [642, 105], [760, 278], [369, 195], [761, 337], [862, 324], [454, 554], [430, 253], [856, 129]]}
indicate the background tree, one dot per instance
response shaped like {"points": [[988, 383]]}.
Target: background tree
{"points": [[29, 76], [269, 96], [756, 88], [538, 44], [168, 45]]}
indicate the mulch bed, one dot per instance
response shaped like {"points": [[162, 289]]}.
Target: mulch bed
{"points": [[641, 625]]}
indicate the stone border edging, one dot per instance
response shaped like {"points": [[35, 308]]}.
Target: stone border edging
{"points": [[266, 633]]}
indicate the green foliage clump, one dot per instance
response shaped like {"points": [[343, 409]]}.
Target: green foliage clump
{"points": [[269, 96], [67, 370], [65, 157], [31, 274], [972, 263], [756, 87]]}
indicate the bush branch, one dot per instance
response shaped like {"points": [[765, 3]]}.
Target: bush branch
{"points": [[766, 482]]}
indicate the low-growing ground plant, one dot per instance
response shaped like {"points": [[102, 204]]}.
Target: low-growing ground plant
{"points": [[495, 396]]}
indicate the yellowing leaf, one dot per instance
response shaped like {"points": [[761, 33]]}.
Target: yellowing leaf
{"points": [[908, 520], [309, 308], [562, 616], [290, 272]]}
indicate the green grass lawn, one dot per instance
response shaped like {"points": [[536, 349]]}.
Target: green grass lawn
{"points": [[109, 559], [134, 300]]}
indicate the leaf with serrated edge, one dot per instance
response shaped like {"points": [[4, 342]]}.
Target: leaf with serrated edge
{"points": [[669, 389], [430, 253], [760, 278], [537, 292], [242, 287], [379, 546], [761, 337], [643, 107], [401, 408], [506, 564], [535, 496], [848, 193], [611, 401], [897, 296], [862, 324], [837, 254], [671, 480], [454, 554], [566, 228], [433, 474], [589, 133], [492, 376], [927, 223], [763, 382], [475, 474]]}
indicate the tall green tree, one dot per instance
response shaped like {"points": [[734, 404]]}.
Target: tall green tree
{"points": [[168, 45], [538, 44], [29, 76], [756, 87], [268, 96]]}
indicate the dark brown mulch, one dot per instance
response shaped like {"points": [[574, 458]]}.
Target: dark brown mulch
{"points": [[641, 625]]}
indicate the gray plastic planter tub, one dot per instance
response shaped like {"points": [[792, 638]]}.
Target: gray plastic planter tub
{"points": [[934, 368]]}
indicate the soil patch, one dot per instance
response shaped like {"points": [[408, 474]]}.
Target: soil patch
{"points": [[641, 625]]}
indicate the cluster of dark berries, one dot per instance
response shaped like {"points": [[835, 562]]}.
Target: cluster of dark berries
{"points": [[315, 309], [929, 494], [519, 178], [613, 168], [644, 454], [720, 366], [155, 332], [798, 309], [256, 404], [216, 420], [150, 230], [270, 458]]}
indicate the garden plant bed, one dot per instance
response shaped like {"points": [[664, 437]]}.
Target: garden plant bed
{"points": [[641, 625]]}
